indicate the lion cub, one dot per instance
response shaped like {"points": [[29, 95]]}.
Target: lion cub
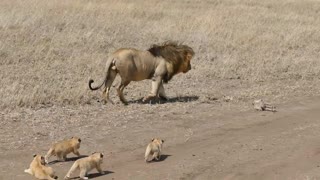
{"points": [[62, 148], [87, 164], [154, 149], [39, 170]]}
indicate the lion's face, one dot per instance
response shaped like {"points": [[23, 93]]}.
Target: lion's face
{"points": [[186, 66], [40, 159], [76, 140], [158, 141], [98, 156]]}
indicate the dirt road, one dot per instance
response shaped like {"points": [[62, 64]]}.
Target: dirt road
{"points": [[202, 143]]}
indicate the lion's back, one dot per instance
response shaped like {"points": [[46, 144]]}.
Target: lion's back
{"points": [[133, 64]]}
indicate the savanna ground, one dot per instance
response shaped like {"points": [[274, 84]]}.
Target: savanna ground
{"points": [[245, 49]]}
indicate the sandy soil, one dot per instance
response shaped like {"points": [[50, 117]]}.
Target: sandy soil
{"points": [[205, 142]]}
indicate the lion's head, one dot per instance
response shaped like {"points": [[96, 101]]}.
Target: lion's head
{"points": [[178, 55], [39, 159]]}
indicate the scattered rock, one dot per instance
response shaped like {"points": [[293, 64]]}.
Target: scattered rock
{"points": [[260, 105], [227, 98]]}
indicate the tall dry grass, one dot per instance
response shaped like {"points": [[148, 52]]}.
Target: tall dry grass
{"points": [[246, 48]]}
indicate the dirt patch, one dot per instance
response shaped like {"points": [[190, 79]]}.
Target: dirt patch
{"points": [[200, 143]]}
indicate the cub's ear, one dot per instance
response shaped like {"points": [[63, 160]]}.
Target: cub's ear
{"points": [[162, 141], [71, 137], [152, 139], [101, 155], [34, 155], [79, 140], [93, 152]]}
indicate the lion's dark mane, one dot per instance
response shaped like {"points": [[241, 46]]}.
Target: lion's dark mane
{"points": [[173, 52]]}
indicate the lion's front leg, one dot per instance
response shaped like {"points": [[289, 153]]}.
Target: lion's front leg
{"points": [[156, 83], [162, 93]]}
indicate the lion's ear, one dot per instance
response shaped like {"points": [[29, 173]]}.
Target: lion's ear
{"points": [[162, 141], [152, 139], [34, 155]]}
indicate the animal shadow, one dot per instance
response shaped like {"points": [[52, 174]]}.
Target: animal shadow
{"points": [[95, 175], [68, 159], [163, 157], [184, 99]]}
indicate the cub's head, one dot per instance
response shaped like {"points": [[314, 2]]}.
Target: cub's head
{"points": [[76, 139], [97, 156], [40, 159], [157, 140]]}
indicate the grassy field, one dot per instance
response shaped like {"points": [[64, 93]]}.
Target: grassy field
{"points": [[245, 49]]}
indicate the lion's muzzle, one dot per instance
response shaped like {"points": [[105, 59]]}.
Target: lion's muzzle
{"points": [[188, 68]]}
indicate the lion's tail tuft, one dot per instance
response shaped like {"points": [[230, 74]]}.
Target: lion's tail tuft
{"points": [[93, 88]]}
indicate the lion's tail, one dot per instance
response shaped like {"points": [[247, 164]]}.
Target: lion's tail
{"points": [[108, 65]]}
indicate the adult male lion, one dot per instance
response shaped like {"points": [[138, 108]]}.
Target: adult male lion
{"points": [[159, 63]]}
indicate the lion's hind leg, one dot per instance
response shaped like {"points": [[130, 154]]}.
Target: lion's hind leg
{"points": [[105, 94], [49, 171], [155, 156], [28, 171], [120, 91]]}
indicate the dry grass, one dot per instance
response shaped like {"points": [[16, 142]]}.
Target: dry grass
{"points": [[245, 49]]}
